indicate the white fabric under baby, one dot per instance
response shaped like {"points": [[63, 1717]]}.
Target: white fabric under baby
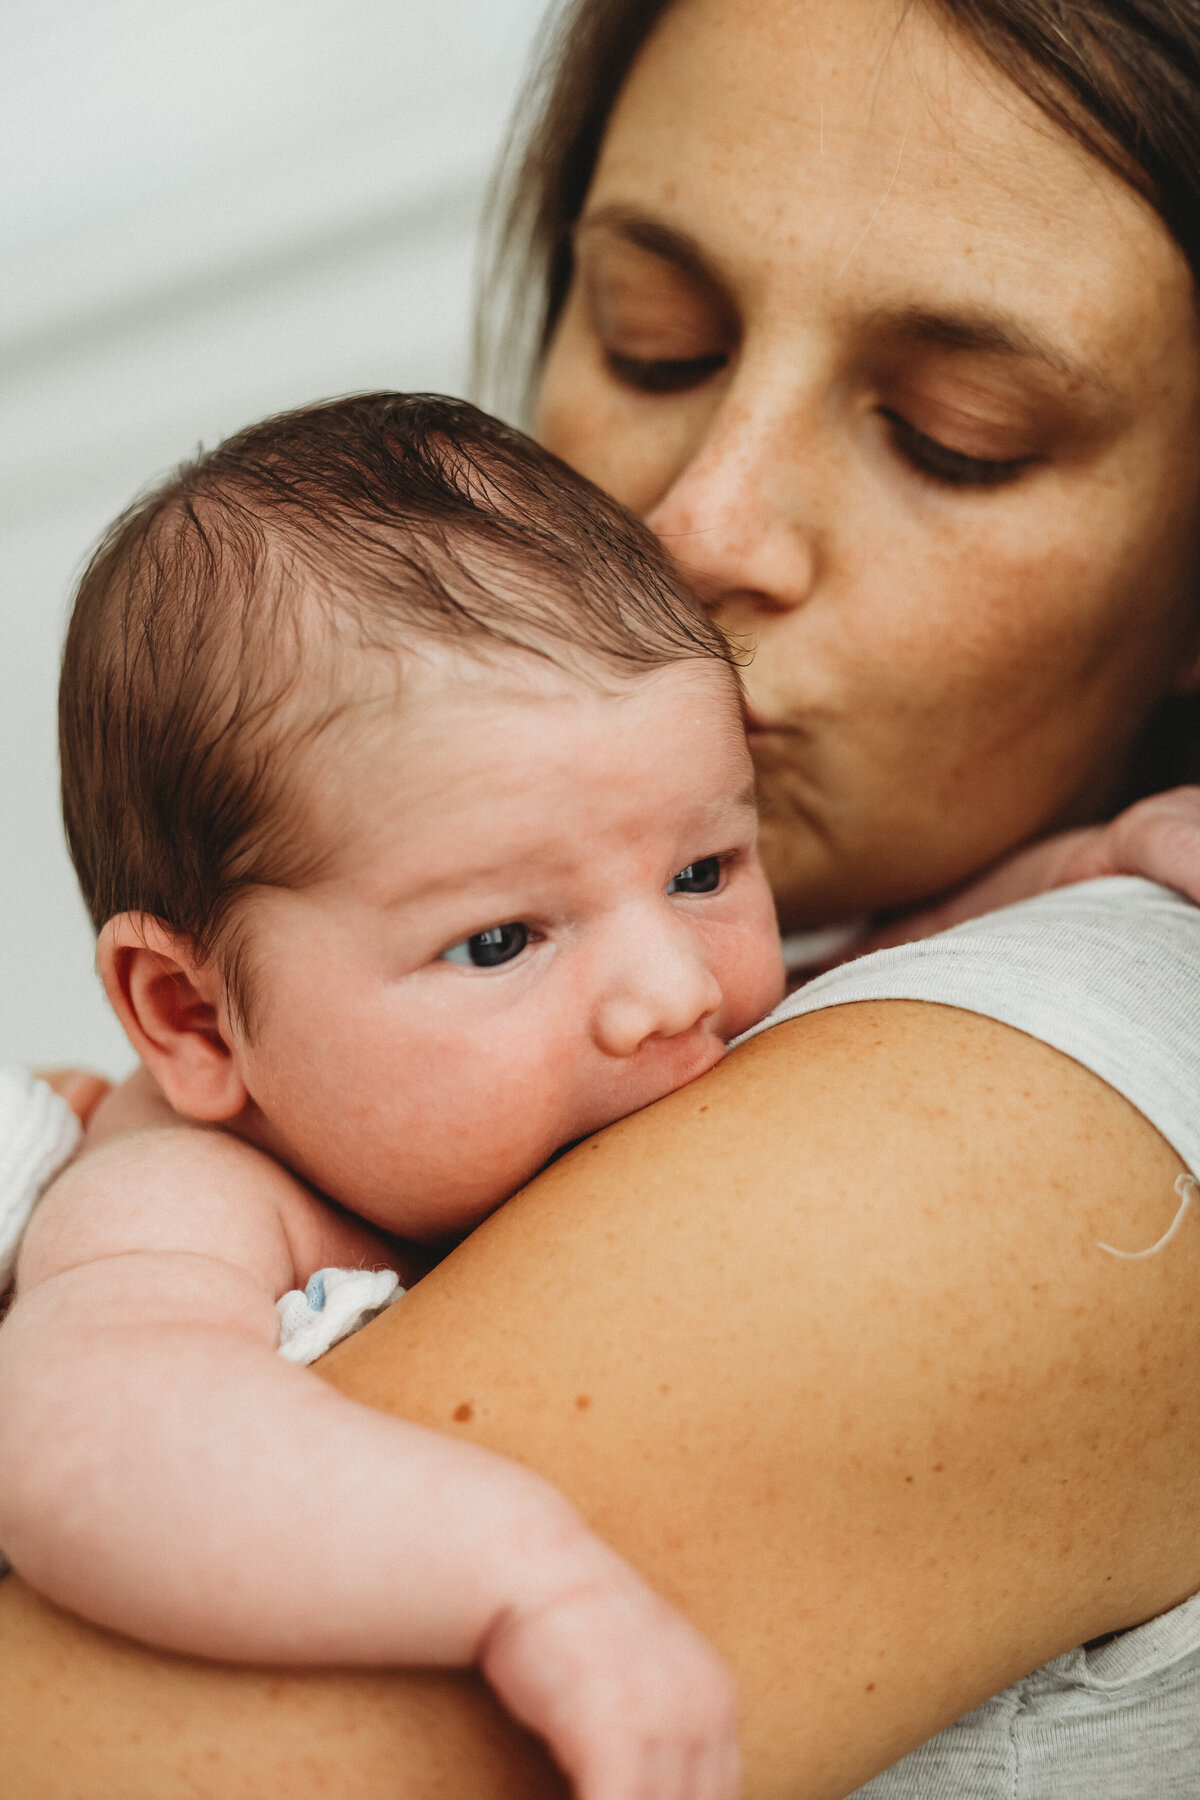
{"points": [[335, 1303], [38, 1134]]}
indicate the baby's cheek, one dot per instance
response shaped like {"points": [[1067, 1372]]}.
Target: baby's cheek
{"points": [[753, 980], [523, 1111], [764, 990]]}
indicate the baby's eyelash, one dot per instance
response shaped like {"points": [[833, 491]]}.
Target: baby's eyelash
{"points": [[492, 948], [704, 876]]}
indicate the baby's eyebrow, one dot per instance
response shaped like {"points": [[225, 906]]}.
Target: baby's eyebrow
{"points": [[457, 880], [744, 800]]}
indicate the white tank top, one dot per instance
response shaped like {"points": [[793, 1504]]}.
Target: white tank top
{"points": [[1109, 973]]}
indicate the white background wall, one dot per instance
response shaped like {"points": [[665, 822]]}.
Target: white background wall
{"points": [[211, 209]]}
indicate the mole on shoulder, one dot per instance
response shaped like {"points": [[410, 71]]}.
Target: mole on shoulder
{"points": [[464, 1412]]}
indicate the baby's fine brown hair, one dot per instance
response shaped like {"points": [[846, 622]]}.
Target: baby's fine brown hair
{"points": [[220, 623]]}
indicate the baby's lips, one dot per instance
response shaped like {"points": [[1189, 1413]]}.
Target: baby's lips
{"points": [[709, 1051], [659, 1068]]}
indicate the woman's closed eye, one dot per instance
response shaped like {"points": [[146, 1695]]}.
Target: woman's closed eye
{"points": [[703, 877], [664, 375], [952, 468], [489, 949], [660, 325]]}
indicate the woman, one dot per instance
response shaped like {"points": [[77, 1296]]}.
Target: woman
{"points": [[875, 312]]}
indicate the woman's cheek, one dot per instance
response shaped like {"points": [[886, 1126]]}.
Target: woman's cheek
{"points": [[934, 730]]}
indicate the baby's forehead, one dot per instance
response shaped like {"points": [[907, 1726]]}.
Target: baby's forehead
{"points": [[426, 681], [483, 741]]}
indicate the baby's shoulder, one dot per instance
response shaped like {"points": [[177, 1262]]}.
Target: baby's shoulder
{"points": [[171, 1188], [168, 1187]]}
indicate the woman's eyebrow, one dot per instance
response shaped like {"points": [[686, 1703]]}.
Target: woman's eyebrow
{"points": [[954, 328], [645, 233], [988, 333]]}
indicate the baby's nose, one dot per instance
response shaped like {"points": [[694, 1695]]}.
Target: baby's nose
{"points": [[660, 990]]}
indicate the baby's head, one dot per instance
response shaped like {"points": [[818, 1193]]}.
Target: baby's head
{"points": [[409, 795]]}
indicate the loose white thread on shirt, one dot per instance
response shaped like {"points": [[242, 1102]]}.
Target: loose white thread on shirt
{"points": [[1185, 1187]]}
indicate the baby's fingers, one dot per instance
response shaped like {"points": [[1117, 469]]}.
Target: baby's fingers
{"points": [[80, 1088], [659, 1771], [1158, 838], [632, 1701], [667, 1773]]}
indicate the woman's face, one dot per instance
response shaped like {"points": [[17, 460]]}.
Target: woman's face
{"points": [[910, 386]]}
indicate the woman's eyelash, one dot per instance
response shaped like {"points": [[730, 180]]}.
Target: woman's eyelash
{"points": [[953, 468], [664, 375]]}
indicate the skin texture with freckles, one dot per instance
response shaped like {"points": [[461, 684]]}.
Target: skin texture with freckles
{"points": [[816, 240]]}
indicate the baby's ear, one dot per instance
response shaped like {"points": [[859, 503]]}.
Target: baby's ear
{"points": [[172, 1008]]}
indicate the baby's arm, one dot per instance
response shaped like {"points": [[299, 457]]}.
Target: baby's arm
{"points": [[164, 1472]]}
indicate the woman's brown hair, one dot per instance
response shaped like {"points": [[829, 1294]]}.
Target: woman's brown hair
{"points": [[1120, 76]]}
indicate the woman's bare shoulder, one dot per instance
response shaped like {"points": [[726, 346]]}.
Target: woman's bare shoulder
{"points": [[825, 1344]]}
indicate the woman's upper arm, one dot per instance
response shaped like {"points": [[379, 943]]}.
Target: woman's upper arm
{"points": [[823, 1343]]}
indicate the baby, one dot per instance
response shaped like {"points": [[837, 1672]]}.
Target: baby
{"points": [[411, 799]]}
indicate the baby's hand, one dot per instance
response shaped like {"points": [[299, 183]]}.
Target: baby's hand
{"points": [[1158, 838], [80, 1088], [631, 1700]]}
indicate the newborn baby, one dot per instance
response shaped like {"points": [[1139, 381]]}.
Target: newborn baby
{"points": [[411, 799]]}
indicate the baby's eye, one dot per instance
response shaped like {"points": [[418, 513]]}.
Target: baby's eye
{"points": [[487, 949], [703, 877]]}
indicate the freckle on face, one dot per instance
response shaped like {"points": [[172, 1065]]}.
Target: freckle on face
{"points": [[949, 672]]}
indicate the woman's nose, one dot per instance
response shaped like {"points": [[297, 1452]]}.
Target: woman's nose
{"points": [[739, 517], [660, 986]]}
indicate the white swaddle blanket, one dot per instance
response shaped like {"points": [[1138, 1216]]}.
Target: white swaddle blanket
{"points": [[38, 1134]]}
